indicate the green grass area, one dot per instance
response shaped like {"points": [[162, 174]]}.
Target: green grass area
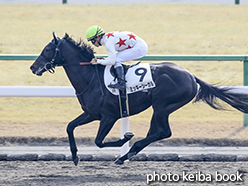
{"points": [[172, 29]]}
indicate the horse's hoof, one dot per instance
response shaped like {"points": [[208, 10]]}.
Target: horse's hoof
{"points": [[118, 162], [129, 135], [76, 160]]}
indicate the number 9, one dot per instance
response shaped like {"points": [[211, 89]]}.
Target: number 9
{"points": [[141, 72]]}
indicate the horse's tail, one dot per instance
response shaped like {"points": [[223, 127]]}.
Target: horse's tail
{"points": [[208, 94]]}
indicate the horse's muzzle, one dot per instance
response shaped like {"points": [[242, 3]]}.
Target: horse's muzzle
{"points": [[35, 71]]}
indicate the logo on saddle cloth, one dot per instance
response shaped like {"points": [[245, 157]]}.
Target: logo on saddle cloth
{"points": [[138, 78]]}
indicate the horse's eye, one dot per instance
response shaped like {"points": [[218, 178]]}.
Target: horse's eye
{"points": [[47, 50]]}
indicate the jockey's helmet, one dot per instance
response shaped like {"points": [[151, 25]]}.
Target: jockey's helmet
{"points": [[93, 31]]}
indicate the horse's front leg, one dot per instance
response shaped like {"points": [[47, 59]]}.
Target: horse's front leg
{"points": [[80, 120], [106, 125]]}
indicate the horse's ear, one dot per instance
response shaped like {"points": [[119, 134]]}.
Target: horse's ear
{"points": [[55, 38]]}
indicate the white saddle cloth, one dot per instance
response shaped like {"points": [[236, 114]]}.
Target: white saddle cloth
{"points": [[138, 78]]}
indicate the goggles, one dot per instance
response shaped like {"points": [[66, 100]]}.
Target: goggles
{"points": [[93, 40]]}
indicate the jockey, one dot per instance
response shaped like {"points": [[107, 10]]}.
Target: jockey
{"points": [[122, 46]]}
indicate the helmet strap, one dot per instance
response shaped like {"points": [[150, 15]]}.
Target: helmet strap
{"points": [[99, 42]]}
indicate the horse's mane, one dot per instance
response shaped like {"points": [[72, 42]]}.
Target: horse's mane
{"points": [[83, 48]]}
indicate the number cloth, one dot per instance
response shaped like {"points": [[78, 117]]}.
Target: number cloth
{"points": [[138, 78]]}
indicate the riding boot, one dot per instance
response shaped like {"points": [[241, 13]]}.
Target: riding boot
{"points": [[120, 78]]}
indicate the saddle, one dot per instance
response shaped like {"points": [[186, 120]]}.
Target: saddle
{"points": [[125, 69]]}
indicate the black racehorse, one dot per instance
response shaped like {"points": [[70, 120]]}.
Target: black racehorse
{"points": [[175, 87]]}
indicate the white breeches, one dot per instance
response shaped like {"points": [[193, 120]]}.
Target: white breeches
{"points": [[139, 50]]}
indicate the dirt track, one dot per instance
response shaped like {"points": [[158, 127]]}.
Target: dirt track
{"points": [[101, 173], [36, 141]]}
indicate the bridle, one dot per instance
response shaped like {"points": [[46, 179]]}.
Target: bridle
{"points": [[50, 65]]}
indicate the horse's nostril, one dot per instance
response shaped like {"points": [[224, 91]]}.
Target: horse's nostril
{"points": [[32, 69]]}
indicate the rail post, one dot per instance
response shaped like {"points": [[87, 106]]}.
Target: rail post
{"points": [[124, 129], [245, 72]]}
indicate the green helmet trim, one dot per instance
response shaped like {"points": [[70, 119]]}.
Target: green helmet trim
{"points": [[93, 31]]}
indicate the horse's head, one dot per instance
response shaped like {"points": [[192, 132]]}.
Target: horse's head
{"points": [[49, 58], [75, 53]]}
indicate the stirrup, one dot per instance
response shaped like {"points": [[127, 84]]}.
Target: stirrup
{"points": [[121, 84], [117, 85]]}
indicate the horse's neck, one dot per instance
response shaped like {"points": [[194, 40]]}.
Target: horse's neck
{"points": [[79, 76]]}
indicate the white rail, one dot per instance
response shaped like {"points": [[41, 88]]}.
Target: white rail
{"points": [[37, 91], [67, 91]]}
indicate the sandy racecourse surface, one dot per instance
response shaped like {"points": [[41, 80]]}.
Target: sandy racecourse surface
{"points": [[231, 2], [131, 173]]}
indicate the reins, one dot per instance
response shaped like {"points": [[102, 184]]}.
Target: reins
{"points": [[79, 63], [84, 63]]}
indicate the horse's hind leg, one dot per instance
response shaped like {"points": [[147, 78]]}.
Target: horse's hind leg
{"points": [[159, 129], [170, 94]]}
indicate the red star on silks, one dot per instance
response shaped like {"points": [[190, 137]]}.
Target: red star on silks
{"points": [[131, 36], [121, 42], [128, 47], [110, 34]]}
